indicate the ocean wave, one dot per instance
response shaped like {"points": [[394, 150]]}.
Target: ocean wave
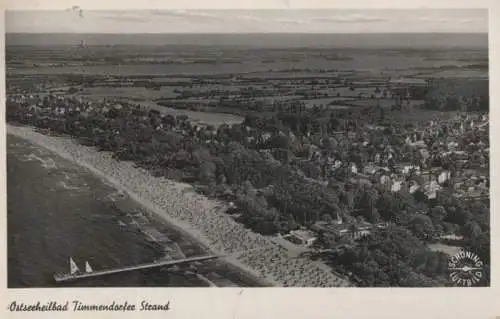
{"points": [[21, 145], [116, 196], [27, 158], [69, 187], [68, 176], [49, 163], [46, 163]]}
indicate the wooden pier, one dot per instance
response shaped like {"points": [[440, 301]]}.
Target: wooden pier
{"points": [[165, 263]]}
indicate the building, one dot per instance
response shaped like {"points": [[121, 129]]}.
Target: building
{"points": [[301, 237], [341, 231]]}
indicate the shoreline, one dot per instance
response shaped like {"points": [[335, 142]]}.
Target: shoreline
{"points": [[193, 215]]}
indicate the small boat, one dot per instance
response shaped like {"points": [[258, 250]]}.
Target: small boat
{"points": [[87, 267], [122, 223], [73, 268]]}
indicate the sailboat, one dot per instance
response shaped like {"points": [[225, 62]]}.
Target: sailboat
{"points": [[73, 268], [87, 267]]}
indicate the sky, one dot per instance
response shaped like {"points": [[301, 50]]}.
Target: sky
{"points": [[72, 20]]}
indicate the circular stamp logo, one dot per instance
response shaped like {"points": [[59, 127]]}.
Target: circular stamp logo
{"points": [[466, 269]]}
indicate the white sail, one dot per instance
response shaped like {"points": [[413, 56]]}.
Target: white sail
{"points": [[73, 268], [87, 267]]}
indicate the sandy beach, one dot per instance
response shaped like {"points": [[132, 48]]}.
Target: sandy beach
{"points": [[195, 215]]}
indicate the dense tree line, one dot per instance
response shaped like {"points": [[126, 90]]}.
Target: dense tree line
{"points": [[452, 95], [393, 257]]}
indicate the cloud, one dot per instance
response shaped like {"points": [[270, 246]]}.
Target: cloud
{"points": [[290, 21], [248, 18], [446, 20], [124, 18], [349, 19], [434, 20], [192, 16], [283, 19], [186, 14], [244, 21], [467, 21], [147, 16], [426, 19]]}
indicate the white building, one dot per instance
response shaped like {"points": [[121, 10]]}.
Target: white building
{"points": [[303, 237]]}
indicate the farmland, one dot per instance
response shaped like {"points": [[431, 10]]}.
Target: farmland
{"points": [[198, 80]]}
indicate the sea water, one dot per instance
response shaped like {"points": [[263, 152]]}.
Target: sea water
{"points": [[57, 210]]}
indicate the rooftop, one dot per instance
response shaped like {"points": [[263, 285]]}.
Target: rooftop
{"points": [[304, 234]]}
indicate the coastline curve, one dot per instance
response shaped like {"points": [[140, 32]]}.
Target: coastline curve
{"points": [[193, 215]]}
